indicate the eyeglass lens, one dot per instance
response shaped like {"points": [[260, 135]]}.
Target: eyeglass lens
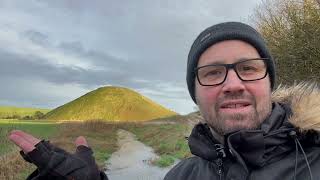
{"points": [[247, 70]]}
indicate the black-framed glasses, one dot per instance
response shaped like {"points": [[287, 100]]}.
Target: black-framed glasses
{"points": [[246, 70]]}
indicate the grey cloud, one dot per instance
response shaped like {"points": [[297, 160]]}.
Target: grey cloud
{"points": [[36, 37], [13, 65], [33, 92], [98, 58], [148, 69], [74, 47]]}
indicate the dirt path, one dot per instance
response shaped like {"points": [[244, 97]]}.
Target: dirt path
{"points": [[132, 160]]}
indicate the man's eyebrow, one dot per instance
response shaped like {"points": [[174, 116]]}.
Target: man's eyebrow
{"points": [[220, 61], [216, 62]]}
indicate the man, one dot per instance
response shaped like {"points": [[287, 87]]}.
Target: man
{"points": [[247, 132]]}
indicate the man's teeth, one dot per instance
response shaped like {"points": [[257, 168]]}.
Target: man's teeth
{"points": [[234, 105]]}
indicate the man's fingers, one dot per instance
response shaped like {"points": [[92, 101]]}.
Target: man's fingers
{"points": [[25, 145], [24, 140], [81, 141], [26, 136]]}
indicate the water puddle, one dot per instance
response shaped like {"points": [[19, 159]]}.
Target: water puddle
{"points": [[132, 160]]}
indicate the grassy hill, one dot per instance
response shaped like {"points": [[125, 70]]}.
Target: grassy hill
{"points": [[10, 111], [110, 103]]}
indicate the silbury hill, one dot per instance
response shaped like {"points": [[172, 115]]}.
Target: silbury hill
{"points": [[112, 104]]}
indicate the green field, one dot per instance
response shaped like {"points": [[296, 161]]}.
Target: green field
{"points": [[40, 129], [10, 111]]}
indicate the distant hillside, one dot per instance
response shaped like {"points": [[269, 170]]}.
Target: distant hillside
{"points": [[110, 103], [10, 111]]}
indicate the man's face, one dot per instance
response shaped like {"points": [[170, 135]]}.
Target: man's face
{"points": [[234, 104]]}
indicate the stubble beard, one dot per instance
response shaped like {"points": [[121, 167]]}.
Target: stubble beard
{"points": [[218, 121]]}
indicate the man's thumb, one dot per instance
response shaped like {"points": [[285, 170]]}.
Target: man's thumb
{"points": [[81, 141], [83, 150]]}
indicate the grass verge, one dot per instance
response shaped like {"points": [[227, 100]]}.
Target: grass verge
{"points": [[101, 136], [167, 140]]}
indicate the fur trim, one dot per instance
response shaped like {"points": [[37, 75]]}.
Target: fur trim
{"points": [[304, 99]]}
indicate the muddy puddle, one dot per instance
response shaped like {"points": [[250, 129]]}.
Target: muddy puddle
{"points": [[132, 160]]}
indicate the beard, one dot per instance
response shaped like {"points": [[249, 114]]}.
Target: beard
{"points": [[224, 123]]}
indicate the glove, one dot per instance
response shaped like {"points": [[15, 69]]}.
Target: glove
{"points": [[55, 163]]}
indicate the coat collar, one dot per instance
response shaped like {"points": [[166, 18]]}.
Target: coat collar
{"points": [[269, 143]]}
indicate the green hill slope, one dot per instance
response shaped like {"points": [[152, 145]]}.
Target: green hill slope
{"points": [[110, 103], [10, 111]]}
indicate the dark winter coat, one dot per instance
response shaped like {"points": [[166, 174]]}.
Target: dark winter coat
{"points": [[284, 147]]}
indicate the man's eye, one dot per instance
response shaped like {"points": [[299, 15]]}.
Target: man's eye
{"points": [[249, 68], [214, 73]]}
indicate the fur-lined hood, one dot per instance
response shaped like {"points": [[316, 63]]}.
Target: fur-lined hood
{"points": [[304, 99]]}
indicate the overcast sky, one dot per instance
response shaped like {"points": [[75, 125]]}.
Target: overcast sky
{"points": [[53, 51]]}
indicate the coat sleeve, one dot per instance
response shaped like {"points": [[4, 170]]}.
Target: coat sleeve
{"points": [[181, 171], [193, 168], [35, 175]]}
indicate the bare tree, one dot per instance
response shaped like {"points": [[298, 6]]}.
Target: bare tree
{"points": [[292, 31]]}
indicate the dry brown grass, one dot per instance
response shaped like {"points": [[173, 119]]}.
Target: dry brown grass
{"points": [[10, 166], [101, 136]]}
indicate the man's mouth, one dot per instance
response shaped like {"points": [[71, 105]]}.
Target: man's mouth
{"points": [[235, 105]]}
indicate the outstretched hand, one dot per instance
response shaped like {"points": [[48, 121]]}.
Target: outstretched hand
{"points": [[54, 162], [27, 142]]}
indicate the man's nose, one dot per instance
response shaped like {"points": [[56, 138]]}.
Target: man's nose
{"points": [[232, 83]]}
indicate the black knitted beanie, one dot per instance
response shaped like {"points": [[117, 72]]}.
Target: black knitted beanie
{"points": [[221, 32]]}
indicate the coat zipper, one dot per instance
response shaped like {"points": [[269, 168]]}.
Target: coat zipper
{"points": [[220, 168], [221, 154]]}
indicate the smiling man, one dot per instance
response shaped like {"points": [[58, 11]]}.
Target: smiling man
{"points": [[226, 100], [230, 76], [250, 131]]}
